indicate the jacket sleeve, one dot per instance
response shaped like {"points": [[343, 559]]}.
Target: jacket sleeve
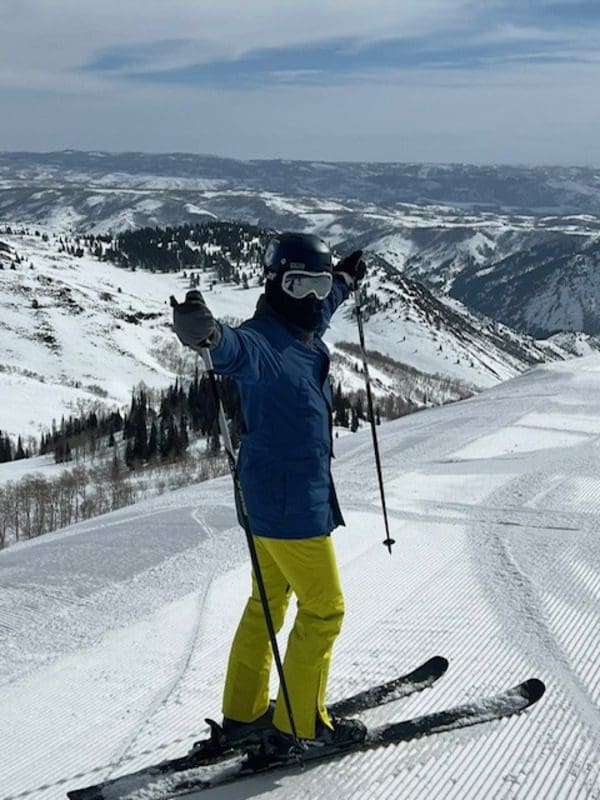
{"points": [[245, 355], [339, 292]]}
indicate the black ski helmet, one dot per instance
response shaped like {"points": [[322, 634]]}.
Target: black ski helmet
{"points": [[303, 251]]}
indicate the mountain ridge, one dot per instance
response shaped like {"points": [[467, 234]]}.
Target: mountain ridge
{"points": [[92, 330]]}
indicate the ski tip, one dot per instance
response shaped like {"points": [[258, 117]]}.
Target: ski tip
{"points": [[533, 689], [89, 793], [436, 666]]}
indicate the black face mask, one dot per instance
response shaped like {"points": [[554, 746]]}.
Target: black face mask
{"points": [[306, 313]]}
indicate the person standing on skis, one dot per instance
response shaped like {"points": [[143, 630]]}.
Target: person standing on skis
{"points": [[281, 364]]}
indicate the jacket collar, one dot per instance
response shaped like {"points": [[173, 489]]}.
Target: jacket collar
{"points": [[264, 308]]}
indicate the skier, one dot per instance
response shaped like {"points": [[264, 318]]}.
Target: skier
{"points": [[281, 364]]}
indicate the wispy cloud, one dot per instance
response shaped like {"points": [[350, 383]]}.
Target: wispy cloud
{"points": [[138, 57], [500, 33], [267, 42], [383, 79], [340, 60]]}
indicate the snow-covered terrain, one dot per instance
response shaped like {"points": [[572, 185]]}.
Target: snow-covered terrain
{"points": [[77, 331], [115, 633], [539, 190], [517, 244]]}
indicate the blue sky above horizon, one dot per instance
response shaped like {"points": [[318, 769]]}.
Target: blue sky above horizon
{"points": [[434, 79]]}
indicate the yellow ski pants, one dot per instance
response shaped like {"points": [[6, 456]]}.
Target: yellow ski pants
{"points": [[308, 568]]}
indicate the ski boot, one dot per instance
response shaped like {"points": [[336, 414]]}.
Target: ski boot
{"points": [[230, 737], [346, 731], [277, 746], [239, 734]]}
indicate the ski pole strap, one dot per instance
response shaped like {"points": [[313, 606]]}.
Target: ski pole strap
{"points": [[388, 541]]}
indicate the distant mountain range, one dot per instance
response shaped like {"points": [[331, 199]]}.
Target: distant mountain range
{"points": [[531, 190], [518, 244]]}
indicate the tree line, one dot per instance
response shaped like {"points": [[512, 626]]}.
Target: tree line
{"points": [[36, 504], [150, 446], [12, 451], [157, 427], [219, 246]]}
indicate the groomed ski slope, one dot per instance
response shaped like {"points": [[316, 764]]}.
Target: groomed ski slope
{"points": [[115, 633]]}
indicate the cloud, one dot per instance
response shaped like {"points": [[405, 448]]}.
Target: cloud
{"points": [[116, 38], [64, 33], [233, 44], [339, 60], [432, 79]]}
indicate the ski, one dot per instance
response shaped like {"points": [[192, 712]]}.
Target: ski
{"points": [[420, 678], [212, 750], [505, 704]]}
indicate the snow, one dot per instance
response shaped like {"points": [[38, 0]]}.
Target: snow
{"points": [[516, 439], [82, 345], [40, 465], [115, 632], [98, 353]]}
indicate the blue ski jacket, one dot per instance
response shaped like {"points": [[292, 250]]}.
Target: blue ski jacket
{"points": [[285, 455]]}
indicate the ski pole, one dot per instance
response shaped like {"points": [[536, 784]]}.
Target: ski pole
{"points": [[241, 504], [388, 542]]}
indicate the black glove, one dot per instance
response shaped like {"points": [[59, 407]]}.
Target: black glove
{"points": [[193, 322], [352, 269]]}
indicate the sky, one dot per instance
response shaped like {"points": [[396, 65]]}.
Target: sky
{"points": [[478, 81]]}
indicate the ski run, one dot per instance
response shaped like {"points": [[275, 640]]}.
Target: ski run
{"points": [[115, 633]]}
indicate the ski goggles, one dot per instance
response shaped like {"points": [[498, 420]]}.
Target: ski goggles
{"points": [[299, 284]]}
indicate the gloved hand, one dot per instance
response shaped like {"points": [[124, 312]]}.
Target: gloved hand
{"points": [[193, 322], [352, 269]]}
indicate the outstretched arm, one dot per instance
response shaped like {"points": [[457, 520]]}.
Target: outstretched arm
{"points": [[339, 292], [243, 354], [346, 276]]}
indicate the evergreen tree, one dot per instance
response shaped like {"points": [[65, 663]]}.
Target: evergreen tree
{"points": [[6, 450], [183, 432], [115, 469], [19, 452], [152, 450], [140, 439], [130, 458]]}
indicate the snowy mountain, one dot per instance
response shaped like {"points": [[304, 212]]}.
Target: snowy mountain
{"points": [[79, 331], [537, 190], [537, 279], [553, 286], [515, 243], [115, 633]]}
